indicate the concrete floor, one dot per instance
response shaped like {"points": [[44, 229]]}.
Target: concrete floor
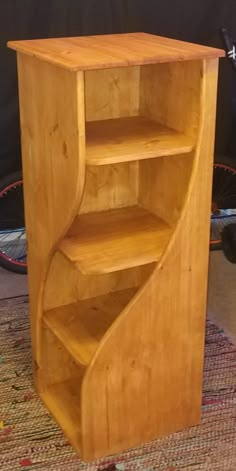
{"points": [[221, 292], [12, 284]]}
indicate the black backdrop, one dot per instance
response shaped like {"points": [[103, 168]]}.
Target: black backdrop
{"points": [[190, 20]]}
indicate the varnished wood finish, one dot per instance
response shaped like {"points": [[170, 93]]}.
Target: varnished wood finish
{"points": [[53, 354], [153, 383], [53, 148], [117, 165], [81, 326], [69, 417], [66, 285], [117, 50], [157, 177], [121, 140], [115, 240], [178, 109], [110, 187], [116, 94]]}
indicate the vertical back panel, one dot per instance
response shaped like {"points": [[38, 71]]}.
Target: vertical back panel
{"points": [[112, 93], [110, 186], [169, 94]]}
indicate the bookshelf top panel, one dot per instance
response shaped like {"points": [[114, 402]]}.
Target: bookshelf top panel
{"points": [[112, 50]]}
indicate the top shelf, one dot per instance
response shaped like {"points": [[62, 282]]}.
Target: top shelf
{"points": [[112, 50]]}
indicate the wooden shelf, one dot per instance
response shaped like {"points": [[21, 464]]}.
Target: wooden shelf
{"points": [[114, 240], [124, 139], [63, 401], [81, 326]]}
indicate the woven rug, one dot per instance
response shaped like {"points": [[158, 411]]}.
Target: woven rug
{"points": [[31, 440]]}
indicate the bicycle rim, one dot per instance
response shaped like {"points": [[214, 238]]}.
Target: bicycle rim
{"points": [[12, 227]]}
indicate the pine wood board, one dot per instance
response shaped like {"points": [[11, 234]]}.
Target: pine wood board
{"points": [[117, 50], [133, 138], [81, 326], [116, 239], [63, 401]]}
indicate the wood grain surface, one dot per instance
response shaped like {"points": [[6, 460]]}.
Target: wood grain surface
{"points": [[53, 150], [149, 364], [100, 52], [135, 138], [117, 169], [81, 326], [115, 240]]}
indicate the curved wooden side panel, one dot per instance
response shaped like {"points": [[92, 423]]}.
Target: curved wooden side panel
{"points": [[53, 150], [146, 377]]}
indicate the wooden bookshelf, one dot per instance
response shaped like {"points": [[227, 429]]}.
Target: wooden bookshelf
{"points": [[117, 144]]}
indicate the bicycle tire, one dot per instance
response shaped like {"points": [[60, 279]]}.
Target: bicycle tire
{"points": [[13, 181]]}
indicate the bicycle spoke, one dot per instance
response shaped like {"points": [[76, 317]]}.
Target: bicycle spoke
{"points": [[8, 245], [21, 257], [23, 248], [11, 252], [4, 237]]}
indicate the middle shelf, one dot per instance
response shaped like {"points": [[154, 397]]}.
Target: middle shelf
{"points": [[115, 239], [111, 141]]}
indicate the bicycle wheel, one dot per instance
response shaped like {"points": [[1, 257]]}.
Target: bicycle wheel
{"points": [[223, 199], [12, 224]]}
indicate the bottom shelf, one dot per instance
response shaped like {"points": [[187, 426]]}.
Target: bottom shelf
{"points": [[81, 326], [63, 401]]}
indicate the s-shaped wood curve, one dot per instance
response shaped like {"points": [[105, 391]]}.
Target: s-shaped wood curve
{"points": [[53, 145], [146, 377]]}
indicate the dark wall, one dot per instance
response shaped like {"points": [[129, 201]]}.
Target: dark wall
{"points": [[196, 21]]}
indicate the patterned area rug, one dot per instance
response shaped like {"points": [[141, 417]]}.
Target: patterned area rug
{"points": [[30, 439]]}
